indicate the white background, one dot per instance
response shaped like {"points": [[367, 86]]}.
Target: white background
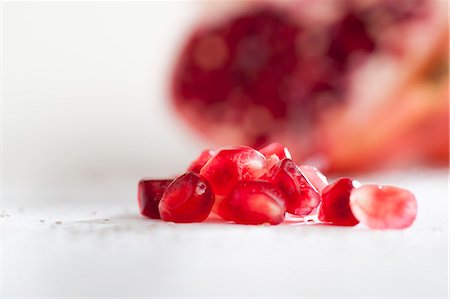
{"points": [[85, 115], [85, 100]]}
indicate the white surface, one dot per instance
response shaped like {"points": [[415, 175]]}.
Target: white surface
{"points": [[108, 250]]}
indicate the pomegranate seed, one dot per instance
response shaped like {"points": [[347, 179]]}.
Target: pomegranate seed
{"points": [[270, 162], [277, 149], [149, 195], [383, 207], [201, 160], [188, 198], [317, 179], [253, 202], [335, 206], [275, 152], [229, 166], [301, 196]]}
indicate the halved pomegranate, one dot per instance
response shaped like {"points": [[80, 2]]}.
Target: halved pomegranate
{"points": [[358, 85]]}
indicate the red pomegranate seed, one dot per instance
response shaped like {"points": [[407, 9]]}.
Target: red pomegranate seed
{"points": [[383, 207], [149, 195], [335, 206], [275, 152], [317, 179], [201, 160], [253, 202], [188, 198], [270, 162], [277, 149], [229, 166], [301, 196]]}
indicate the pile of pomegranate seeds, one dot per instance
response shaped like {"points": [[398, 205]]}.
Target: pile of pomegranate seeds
{"points": [[248, 186]]}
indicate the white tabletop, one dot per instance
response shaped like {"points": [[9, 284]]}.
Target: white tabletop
{"points": [[100, 249]]}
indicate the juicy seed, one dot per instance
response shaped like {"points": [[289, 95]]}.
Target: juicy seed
{"points": [[149, 196], [188, 198], [383, 207], [201, 160], [335, 206], [253, 202], [275, 152], [301, 196], [317, 179], [229, 166], [277, 149], [271, 161]]}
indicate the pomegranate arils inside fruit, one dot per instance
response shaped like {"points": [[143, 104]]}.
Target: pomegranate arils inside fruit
{"points": [[335, 206], [188, 198], [301, 196], [229, 166], [149, 196], [253, 202], [315, 177], [297, 72], [201, 160], [383, 207]]}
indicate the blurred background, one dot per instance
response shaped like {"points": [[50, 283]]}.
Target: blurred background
{"points": [[86, 111], [98, 95]]}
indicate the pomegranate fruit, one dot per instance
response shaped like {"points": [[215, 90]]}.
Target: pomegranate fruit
{"points": [[225, 169], [188, 198], [316, 178], [276, 149], [235, 184], [253, 202], [201, 160], [320, 77], [149, 196], [301, 196], [383, 207], [335, 206], [275, 152]]}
